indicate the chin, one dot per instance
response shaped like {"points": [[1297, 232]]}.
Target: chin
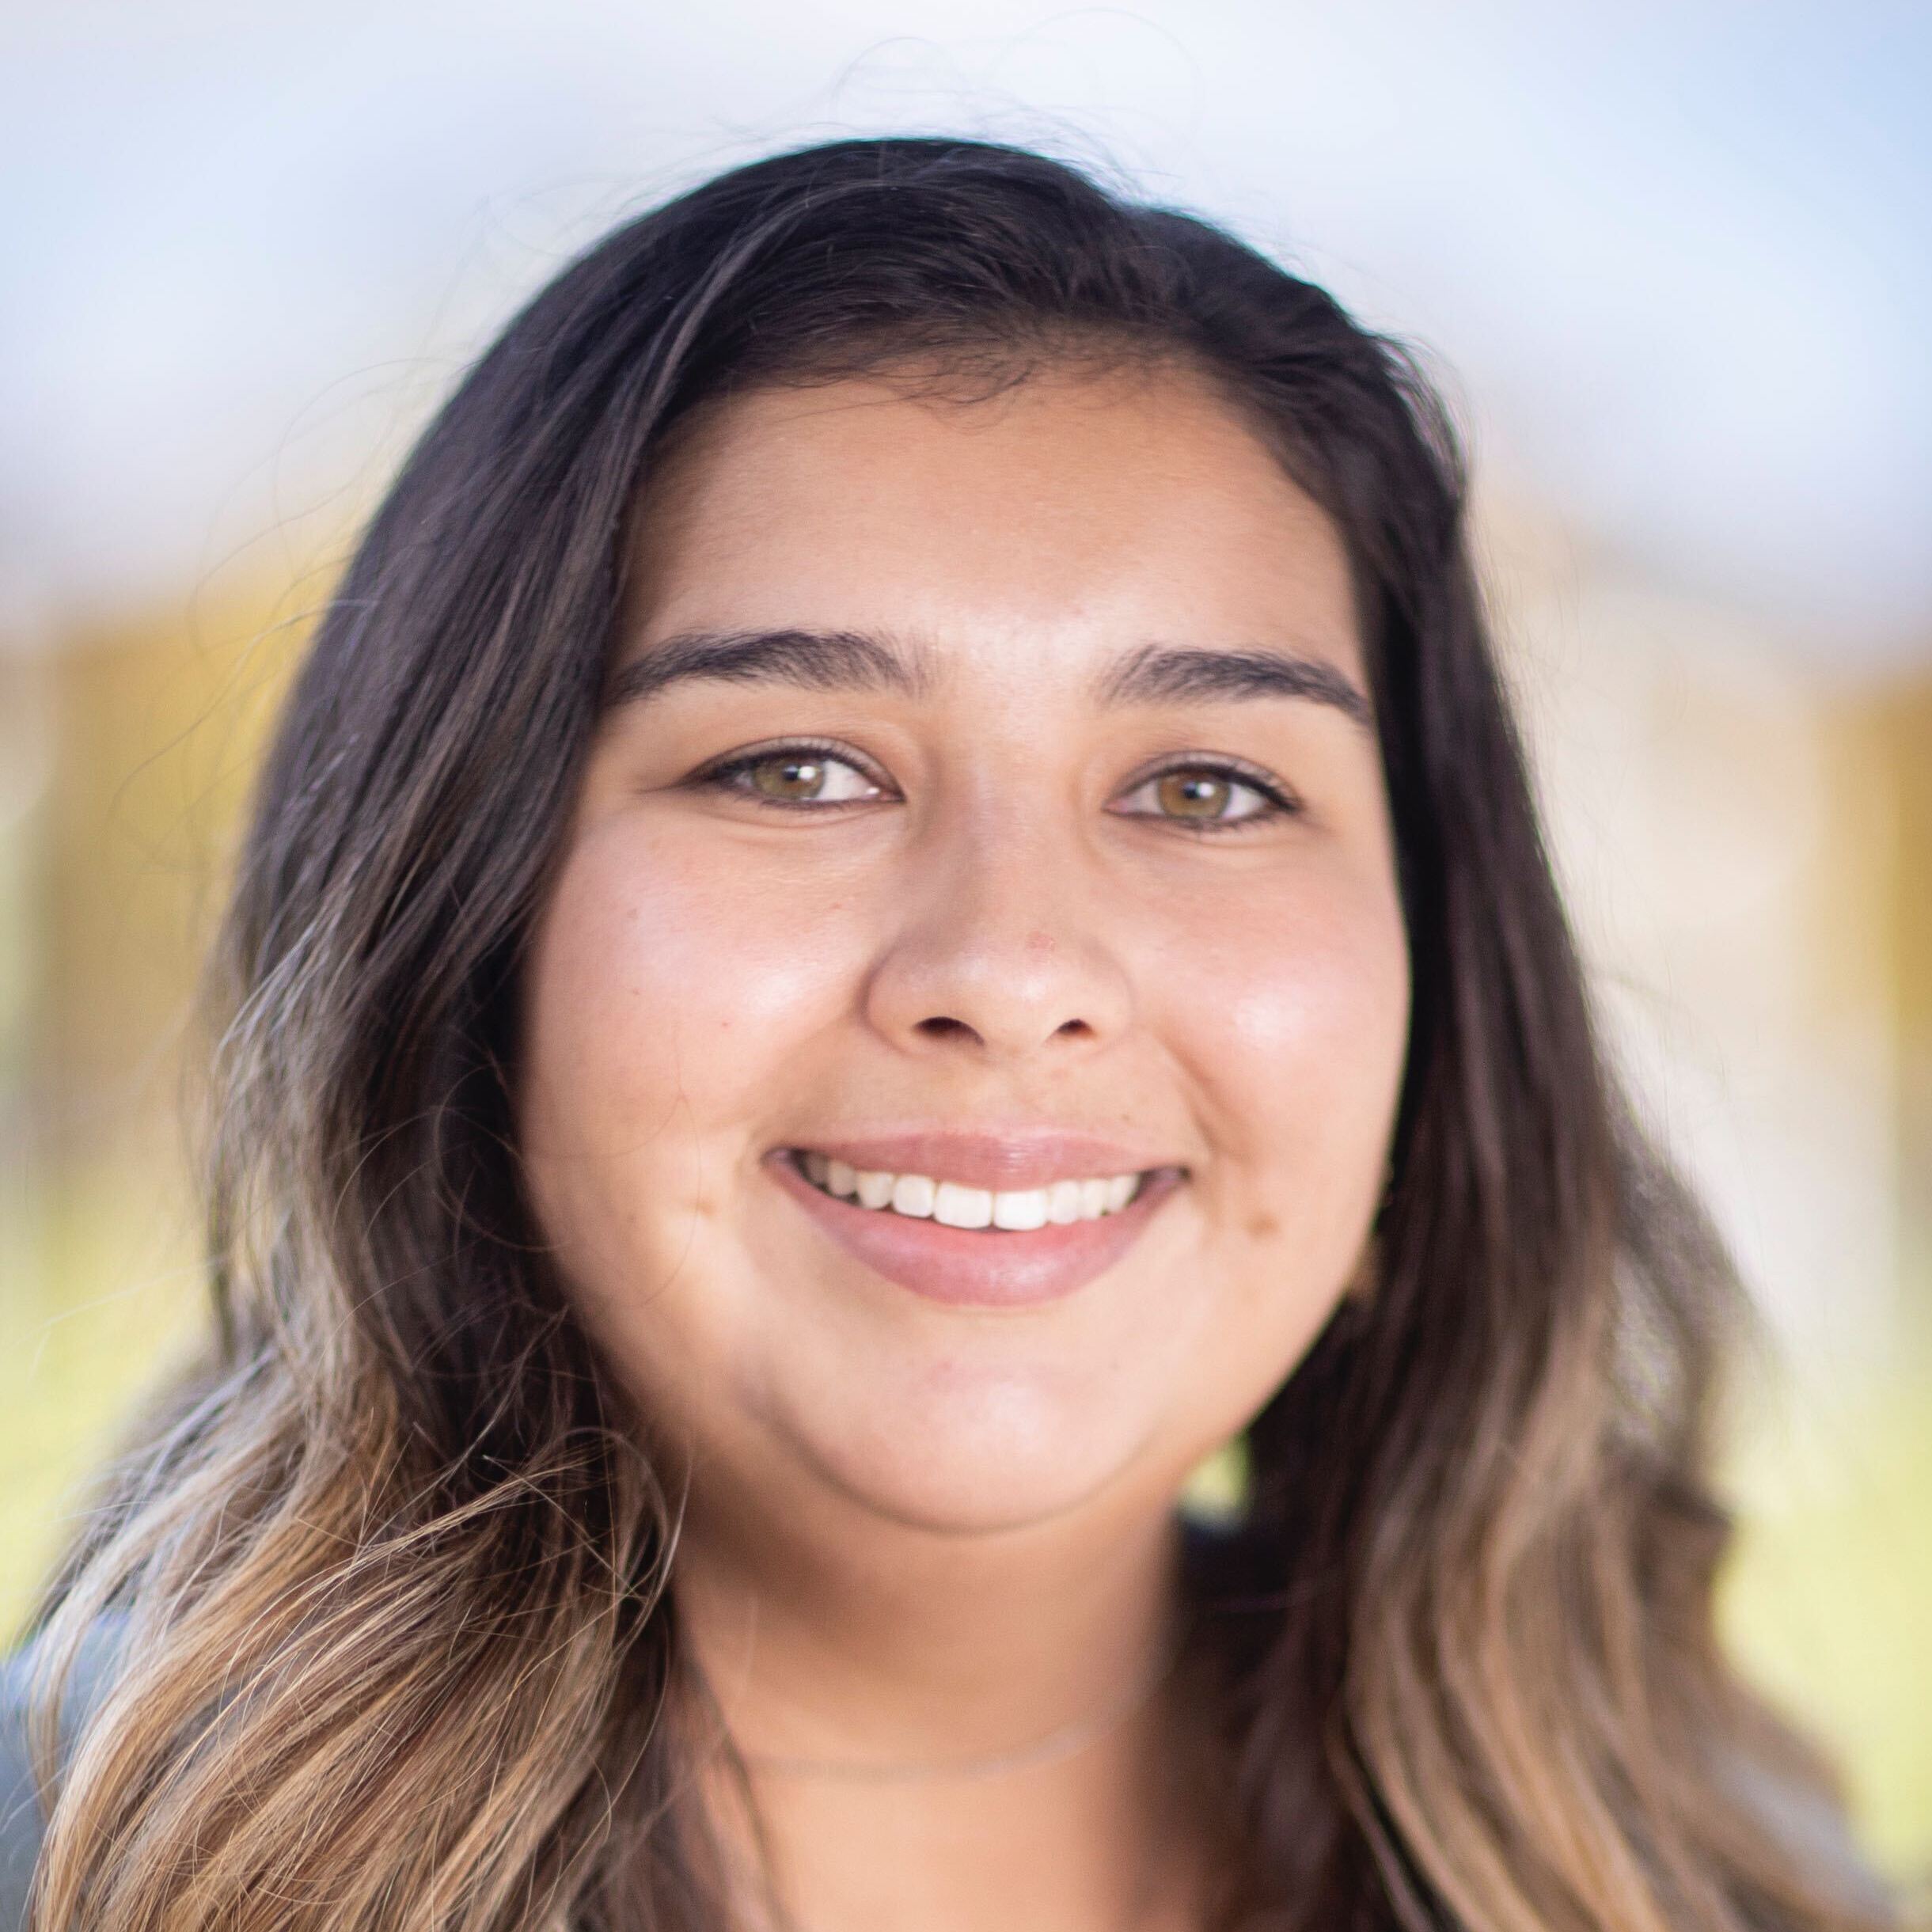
{"points": [[1003, 1459]]}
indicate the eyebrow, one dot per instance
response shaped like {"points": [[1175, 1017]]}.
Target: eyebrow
{"points": [[855, 660], [1167, 673], [811, 660]]}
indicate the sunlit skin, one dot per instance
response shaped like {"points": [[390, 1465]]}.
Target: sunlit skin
{"points": [[919, 1531]]}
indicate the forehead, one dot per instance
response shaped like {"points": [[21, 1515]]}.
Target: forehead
{"points": [[1073, 514]]}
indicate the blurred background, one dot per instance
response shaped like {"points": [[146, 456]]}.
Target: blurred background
{"points": [[1669, 261]]}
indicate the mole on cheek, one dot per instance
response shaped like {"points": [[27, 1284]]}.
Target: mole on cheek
{"points": [[1263, 1226]]}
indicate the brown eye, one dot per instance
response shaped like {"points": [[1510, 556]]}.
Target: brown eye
{"points": [[1194, 795], [793, 775], [1208, 797], [787, 776]]}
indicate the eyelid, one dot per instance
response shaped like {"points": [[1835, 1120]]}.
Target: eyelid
{"points": [[720, 769], [1279, 802]]}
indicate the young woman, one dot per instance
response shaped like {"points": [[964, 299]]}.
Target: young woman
{"points": [[898, 898]]}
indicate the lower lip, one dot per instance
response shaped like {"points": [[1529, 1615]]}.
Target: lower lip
{"points": [[978, 1268]]}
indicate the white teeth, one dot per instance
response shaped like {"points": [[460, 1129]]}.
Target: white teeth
{"points": [[913, 1194], [1020, 1210], [962, 1207], [957, 1205]]}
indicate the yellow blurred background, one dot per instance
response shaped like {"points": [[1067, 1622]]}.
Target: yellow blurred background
{"points": [[1735, 755]]}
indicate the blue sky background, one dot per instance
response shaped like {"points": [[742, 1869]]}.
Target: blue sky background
{"points": [[1674, 259]]}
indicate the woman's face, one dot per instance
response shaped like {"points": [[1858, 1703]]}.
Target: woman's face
{"points": [[988, 804]]}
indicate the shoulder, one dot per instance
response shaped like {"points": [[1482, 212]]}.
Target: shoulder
{"points": [[1806, 1818], [23, 1819]]}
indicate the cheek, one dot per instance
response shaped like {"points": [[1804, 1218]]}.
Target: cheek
{"points": [[665, 992], [666, 999], [1293, 1027], [1291, 1033]]}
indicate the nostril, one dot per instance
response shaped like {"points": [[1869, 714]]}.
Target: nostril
{"points": [[940, 1026]]}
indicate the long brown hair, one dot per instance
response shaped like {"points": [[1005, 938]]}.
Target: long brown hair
{"points": [[391, 1578]]}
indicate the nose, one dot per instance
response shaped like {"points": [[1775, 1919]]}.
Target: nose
{"points": [[1001, 951]]}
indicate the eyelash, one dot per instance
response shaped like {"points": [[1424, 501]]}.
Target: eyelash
{"points": [[1277, 803]]}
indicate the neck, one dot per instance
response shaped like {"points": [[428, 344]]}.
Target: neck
{"points": [[967, 1701]]}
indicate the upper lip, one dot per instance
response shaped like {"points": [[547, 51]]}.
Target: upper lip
{"points": [[1014, 1160]]}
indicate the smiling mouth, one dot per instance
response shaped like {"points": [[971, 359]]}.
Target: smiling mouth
{"points": [[968, 1247], [923, 1197]]}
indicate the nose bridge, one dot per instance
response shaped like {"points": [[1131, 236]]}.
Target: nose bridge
{"points": [[1001, 940]]}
